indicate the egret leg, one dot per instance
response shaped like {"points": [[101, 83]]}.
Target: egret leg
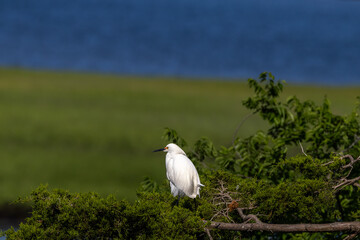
{"points": [[196, 204], [178, 200]]}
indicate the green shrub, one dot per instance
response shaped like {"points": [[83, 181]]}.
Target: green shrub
{"points": [[58, 214], [257, 174]]}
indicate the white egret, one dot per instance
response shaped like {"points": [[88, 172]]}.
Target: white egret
{"points": [[181, 172]]}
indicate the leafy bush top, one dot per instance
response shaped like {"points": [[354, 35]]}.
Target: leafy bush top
{"points": [[257, 175]]}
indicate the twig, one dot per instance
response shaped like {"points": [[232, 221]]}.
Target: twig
{"points": [[351, 236], [240, 124], [302, 149], [350, 165], [343, 182], [352, 160], [223, 197], [328, 163], [248, 217], [346, 182], [208, 233]]}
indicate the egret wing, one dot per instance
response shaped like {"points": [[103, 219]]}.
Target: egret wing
{"points": [[182, 173]]}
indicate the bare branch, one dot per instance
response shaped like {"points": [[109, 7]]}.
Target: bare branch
{"points": [[208, 233], [328, 163], [222, 197], [248, 217], [352, 161], [353, 227], [343, 182], [346, 182], [349, 165], [240, 124], [351, 236], [302, 149], [225, 198]]}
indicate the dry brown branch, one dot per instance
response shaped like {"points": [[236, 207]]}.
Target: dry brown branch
{"points": [[249, 217], [226, 199], [328, 163], [222, 197], [208, 233], [352, 161], [352, 227], [343, 182], [346, 182], [351, 236]]}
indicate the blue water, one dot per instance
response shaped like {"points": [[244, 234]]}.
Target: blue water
{"points": [[302, 41]]}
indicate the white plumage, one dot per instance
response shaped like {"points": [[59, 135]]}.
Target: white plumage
{"points": [[181, 172]]}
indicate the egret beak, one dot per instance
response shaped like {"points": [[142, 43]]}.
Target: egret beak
{"points": [[159, 150]]}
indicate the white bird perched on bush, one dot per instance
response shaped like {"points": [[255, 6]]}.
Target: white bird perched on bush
{"points": [[181, 172]]}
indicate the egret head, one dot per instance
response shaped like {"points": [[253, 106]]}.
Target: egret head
{"points": [[171, 148]]}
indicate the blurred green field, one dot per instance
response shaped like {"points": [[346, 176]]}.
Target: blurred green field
{"points": [[92, 132]]}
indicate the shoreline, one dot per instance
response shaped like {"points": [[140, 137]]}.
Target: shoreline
{"points": [[169, 77]]}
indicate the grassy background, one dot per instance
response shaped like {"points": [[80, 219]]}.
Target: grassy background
{"points": [[88, 132]]}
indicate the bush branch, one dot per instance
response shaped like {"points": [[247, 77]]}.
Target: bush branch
{"points": [[248, 217], [240, 124], [353, 227], [344, 181]]}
